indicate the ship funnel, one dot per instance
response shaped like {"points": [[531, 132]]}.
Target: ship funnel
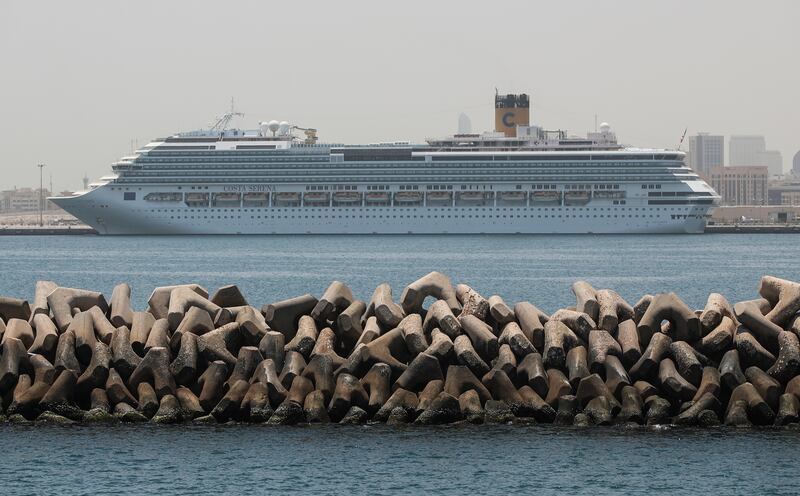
{"points": [[511, 111]]}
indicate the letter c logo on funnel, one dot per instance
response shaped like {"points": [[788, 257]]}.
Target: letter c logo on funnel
{"points": [[508, 119]]}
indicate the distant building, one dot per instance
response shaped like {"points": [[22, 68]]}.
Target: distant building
{"points": [[706, 152], [773, 159], [464, 124], [740, 185], [24, 200], [785, 192], [746, 150], [796, 164], [751, 150]]}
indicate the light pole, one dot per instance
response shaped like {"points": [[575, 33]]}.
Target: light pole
{"points": [[41, 195]]}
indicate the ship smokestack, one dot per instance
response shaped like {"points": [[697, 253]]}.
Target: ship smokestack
{"points": [[511, 111]]}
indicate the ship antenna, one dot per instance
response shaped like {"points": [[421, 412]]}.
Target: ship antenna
{"points": [[680, 143], [222, 122]]}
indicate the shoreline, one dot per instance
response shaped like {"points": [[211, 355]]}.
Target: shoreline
{"points": [[85, 230]]}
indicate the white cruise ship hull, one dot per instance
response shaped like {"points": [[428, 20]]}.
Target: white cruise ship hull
{"points": [[104, 211]]}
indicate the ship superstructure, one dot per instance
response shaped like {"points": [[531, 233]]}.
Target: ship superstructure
{"points": [[518, 179]]}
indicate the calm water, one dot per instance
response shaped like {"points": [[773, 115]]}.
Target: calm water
{"points": [[377, 459], [536, 268]]}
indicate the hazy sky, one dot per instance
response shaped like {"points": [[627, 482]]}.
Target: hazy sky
{"points": [[81, 80]]}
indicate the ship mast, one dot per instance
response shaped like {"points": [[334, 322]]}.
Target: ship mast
{"points": [[222, 122]]}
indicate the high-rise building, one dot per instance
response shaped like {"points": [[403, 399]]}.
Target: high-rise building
{"points": [[741, 185], [706, 151], [746, 149], [773, 159], [751, 150], [464, 124], [796, 164]]}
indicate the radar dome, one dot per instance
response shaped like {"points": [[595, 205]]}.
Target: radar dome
{"points": [[273, 126], [264, 128], [605, 127], [283, 128]]}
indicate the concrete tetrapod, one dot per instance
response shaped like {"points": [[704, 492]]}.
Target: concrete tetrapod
{"points": [[472, 302], [787, 364], [667, 306], [19, 329], [433, 284], [283, 315], [499, 312], [121, 310], [400, 398], [196, 321], [272, 346], [750, 350], [158, 303], [513, 336], [578, 322], [266, 374], [440, 316], [601, 344], [586, 297], [613, 309], [765, 331], [783, 295], [255, 405], [46, 336], [716, 308], [40, 305], [531, 322], [461, 379], [428, 394], [154, 368], [441, 347], [377, 384], [385, 310], [348, 324], [506, 361], [531, 372], [719, 339], [62, 300], [558, 339], [333, 301]]}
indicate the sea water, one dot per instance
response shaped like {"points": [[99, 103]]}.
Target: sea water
{"points": [[146, 459]]}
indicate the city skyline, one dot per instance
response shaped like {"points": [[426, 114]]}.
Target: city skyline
{"points": [[79, 92]]}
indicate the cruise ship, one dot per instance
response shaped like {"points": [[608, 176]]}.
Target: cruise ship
{"points": [[280, 179]]}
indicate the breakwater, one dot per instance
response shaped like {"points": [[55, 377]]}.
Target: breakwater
{"points": [[73, 355]]}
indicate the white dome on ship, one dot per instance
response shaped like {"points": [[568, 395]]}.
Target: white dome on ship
{"points": [[605, 127], [283, 128], [273, 126]]}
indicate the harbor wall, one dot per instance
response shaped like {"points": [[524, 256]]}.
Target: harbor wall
{"points": [[437, 353]]}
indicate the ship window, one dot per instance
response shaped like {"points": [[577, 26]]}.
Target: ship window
{"points": [[129, 196]]}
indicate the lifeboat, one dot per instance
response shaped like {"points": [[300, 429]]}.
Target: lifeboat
{"points": [[227, 197], [576, 197], [471, 196], [196, 197], [256, 197], [287, 197], [439, 196], [164, 197], [377, 197], [514, 196], [315, 198], [347, 197], [407, 197], [546, 197]]}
